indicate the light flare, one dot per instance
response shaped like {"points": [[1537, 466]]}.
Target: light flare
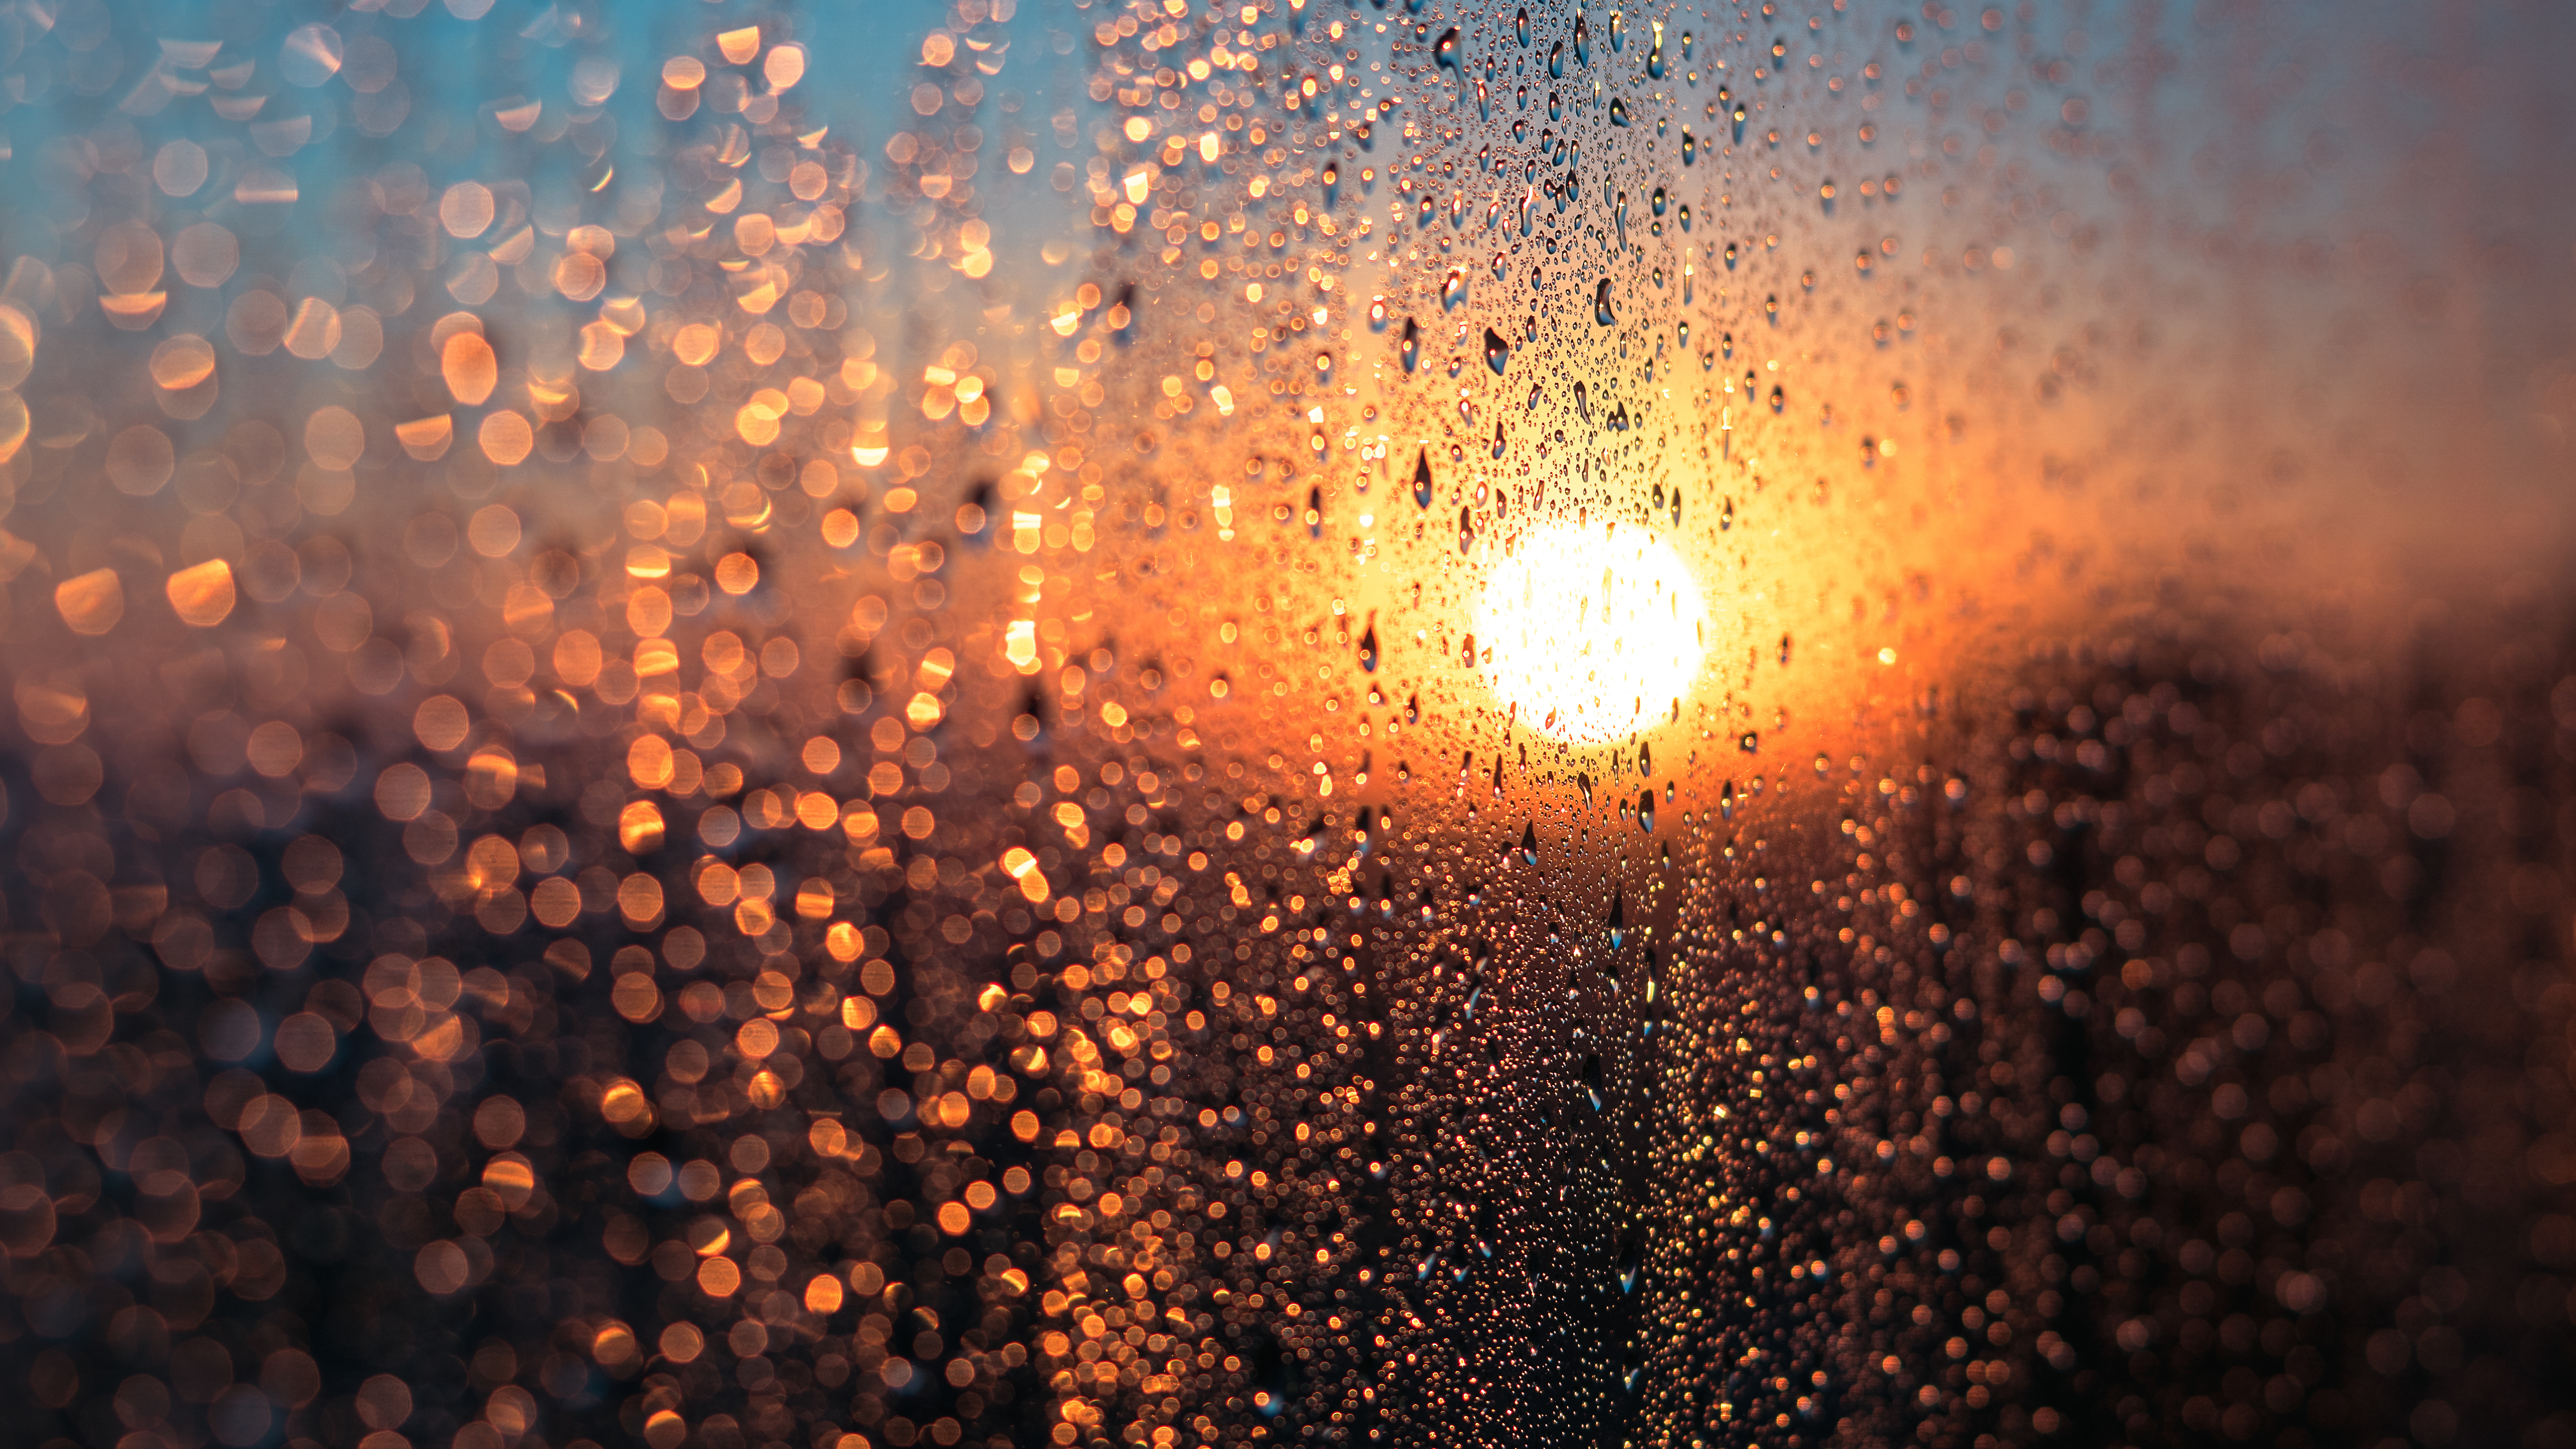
{"points": [[1589, 634]]}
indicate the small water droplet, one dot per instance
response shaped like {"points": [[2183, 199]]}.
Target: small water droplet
{"points": [[1422, 479]]}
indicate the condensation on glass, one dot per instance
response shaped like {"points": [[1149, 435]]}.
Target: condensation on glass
{"points": [[1371, 722]]}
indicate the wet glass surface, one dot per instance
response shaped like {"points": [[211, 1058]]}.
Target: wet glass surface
{"points": [[1370, 722]]}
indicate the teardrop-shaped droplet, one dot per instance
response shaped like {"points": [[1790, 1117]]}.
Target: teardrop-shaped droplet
{"points": [[1497, 351], [1601, 304], [1368, 647], [1529, 842], [1422, 479], [1454, 290], [1556, 60]]}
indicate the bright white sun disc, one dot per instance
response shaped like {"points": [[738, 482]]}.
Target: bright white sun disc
{"points": [[1594, 631]]}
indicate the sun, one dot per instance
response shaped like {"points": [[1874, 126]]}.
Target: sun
{"points": [[1593, 631]]}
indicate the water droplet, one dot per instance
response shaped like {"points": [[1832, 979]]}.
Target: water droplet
{"points": [[1454, 290], [1556, 62], [1498, 353], [1368, 646], [1422, 479], [1601, 304]]}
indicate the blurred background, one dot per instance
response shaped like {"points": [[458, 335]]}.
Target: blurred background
{"points": [[1053, 722]]}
